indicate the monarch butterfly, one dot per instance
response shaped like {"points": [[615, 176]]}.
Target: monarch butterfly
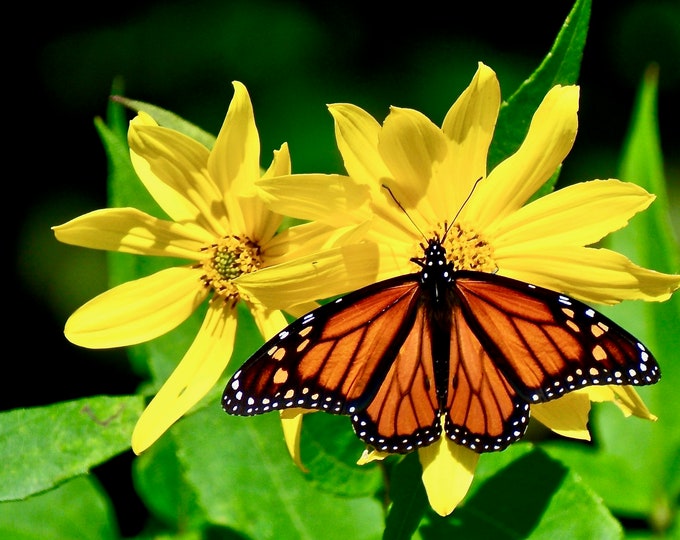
{"points": [[472, 347]]}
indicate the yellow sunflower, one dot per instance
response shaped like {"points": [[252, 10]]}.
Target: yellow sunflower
{"points": [[437, 177], [233, 248]]}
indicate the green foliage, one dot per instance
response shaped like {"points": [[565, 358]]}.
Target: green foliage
{"points": [[42, 447], [217, 476]]}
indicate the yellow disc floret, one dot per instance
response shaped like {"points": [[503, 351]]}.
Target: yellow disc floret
{"points": [[468, 250], [226, 260]]}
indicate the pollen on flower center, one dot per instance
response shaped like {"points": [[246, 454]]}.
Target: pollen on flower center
{"points": [[468, 250], [226, 260]]}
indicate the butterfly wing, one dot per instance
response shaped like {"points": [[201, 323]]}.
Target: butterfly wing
{"points": [[546, 343], [484, 411], [335, 358], [404, 413]]}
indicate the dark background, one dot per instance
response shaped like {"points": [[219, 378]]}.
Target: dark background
{"points": [[294, 58]]}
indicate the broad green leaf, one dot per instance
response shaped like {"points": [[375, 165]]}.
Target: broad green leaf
{"points": [[76, 510], [408, 498], [534, 496], [41, 447], [330, 450], [560, 66], [159, 481], [245, 479], [649, 241]]}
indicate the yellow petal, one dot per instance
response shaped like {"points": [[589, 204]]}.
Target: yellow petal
{"points": [[411, 146], [566, 416], [269, 321], [137, 311], [469, 126], [593, 275], [624, 397], [549, 140], [577, 215], [367, 456], [195, 375], [262, 221], [357, 134], [448, 470], [129, 230], [329, 198], [322, 275], [291, 422], [234, 161], [173, 169]]}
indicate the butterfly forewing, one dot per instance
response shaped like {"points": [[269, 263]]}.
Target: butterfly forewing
{"points": [[334, 358], [546, 343]]}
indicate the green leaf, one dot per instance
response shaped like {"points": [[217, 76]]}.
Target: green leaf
{"points": [[560, 66], [330, 451], [41, 447], [534, 496], [245, 479], [649, 241], [76, 510], [160, 483], [409, 500]]}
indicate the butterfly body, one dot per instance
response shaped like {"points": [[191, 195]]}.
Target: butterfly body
{"points": [[463, 353]]}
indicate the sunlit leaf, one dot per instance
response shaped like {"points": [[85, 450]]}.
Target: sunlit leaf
{"points": [[41, 447]]}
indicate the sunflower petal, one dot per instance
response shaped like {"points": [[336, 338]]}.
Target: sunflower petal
{"points": [[448, 470], [137, 311], [469, 126], [195, 375], [129, 230], [593, 275], [567, 416], [577, 215], [357, 134], [550, 138], [173, 168], [321, 275]]}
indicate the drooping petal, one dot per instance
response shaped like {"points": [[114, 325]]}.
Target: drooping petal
{"points": [[624, 397], [138, 310], [321, 275], [549, 140], [173, 168], [129, 230], [448, 470], [593, 275], [234, 161], [469, 126], [577, 215], [566, 416], [195, 375], [291, 422]]}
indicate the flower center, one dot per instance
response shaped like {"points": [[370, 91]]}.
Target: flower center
{"points": [[468, 250], [226, 260]]}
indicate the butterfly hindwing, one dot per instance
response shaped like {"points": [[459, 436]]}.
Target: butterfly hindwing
{"points": [[403, 414], [334, 358], [484, 412]]}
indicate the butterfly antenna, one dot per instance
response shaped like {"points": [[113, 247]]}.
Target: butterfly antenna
{"points": [[448, 227], [404, 210]]}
